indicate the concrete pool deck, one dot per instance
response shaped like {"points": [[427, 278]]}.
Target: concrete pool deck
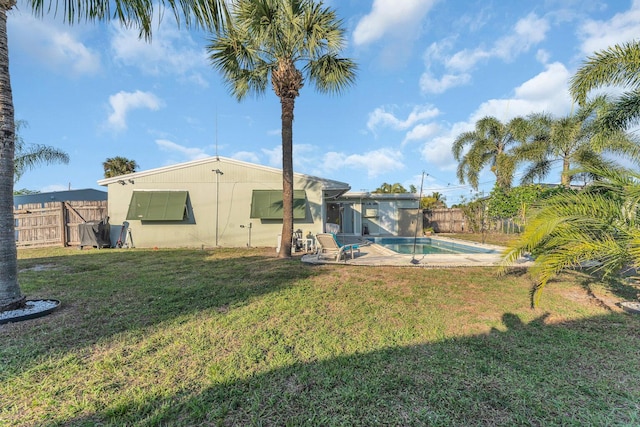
{"points": [[372, 254]]}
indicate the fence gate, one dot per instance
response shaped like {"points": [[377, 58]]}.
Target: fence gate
{"points": [[54, 223]]}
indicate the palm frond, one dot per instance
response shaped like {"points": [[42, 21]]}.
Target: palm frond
{"points": [[263, 36], [618, 65], [597, 229], [625, 112], [207, 14], [332, 74]]}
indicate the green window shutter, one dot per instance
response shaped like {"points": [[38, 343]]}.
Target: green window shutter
{"points": [[267, 204], [299, 204], [158, 206]]}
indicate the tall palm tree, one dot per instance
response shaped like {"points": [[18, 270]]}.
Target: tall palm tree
{"points": [[133, 13], [618, 65], [115, 166], [490, 144], [576, 140], [598, 227], [269, 40]]}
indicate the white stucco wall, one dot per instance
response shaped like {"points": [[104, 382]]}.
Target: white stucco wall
{"points": [[232, 206]]}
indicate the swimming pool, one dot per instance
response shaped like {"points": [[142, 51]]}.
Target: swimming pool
{"points": [[427, 245]]}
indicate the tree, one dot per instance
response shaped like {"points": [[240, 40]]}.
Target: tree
{"points": [[618, 65], [576, 140], [435, 201], [490, 144], [28, 156], [131, 13], [25, 191], [597, 228], [268, 40], [390, 188], [116, 166]]}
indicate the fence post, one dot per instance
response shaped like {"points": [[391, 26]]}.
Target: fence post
{"points": [[63, 225]]}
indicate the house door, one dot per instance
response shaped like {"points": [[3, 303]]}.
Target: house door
{"points": [[342, 214], [348, 218]]}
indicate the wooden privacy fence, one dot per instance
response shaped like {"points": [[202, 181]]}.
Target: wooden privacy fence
{"points": [[446, 220], [454, 220], [54, 223]]}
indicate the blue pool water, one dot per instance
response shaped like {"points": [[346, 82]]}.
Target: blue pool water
{"points": [[426, 245]]}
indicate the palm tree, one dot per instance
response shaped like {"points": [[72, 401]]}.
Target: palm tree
{"points": [[28, 156], [618, 65], [490, 144], [598, 227], [133, 13], [575, 140], [115, 166], [390, 188], [268, 40], [435, 201]]}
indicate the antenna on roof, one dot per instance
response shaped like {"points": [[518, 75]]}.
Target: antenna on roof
{"points": [[217, 158]]}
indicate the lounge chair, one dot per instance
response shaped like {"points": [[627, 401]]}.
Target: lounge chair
{"points": [[331, 249]]}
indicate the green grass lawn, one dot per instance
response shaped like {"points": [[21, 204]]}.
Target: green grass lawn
{"points": [[239, 337]]}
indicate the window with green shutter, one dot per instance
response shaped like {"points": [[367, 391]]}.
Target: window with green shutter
{"points": [[158, 205], [267, 204]]}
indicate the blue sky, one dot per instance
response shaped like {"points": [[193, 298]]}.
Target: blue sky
{"points": [[428, 70]]}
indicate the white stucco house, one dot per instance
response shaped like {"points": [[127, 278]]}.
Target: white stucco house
{"points": [[224, 202]]}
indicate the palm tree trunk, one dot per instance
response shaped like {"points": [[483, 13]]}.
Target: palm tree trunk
{"points": [[565, 179], [10, 294], [287, 105]]}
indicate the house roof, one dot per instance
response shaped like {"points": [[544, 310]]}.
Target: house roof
{"points": [[87, 194], [380, 196], [328, 184]]}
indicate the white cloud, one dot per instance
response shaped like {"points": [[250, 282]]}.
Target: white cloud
{"points": [[122, 102], [545, 92], [246, 156], [57, 48], [274, 156], [171, 51], [304, 156], [437, 151], [542, 56], [375, 163], [527, 32], [188, 153], [622, 27], [431, 84], [466, 59], [548, 87], [399, 18], [421, 132], [380, 117]]}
